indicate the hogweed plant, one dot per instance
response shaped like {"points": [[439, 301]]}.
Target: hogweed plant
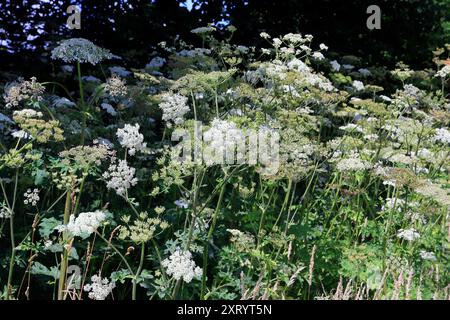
{"points": [[351, 201]]}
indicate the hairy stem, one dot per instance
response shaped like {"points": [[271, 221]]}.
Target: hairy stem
{"points": [[65, 255]]}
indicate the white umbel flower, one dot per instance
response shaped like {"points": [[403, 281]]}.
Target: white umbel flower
{"points": [[31, 197], [27, 114], [444, 72], [174, 107], [264, 35], [408, 234], [393, 203], [99, 288], [130, 138], [322, 46], [318, 55], [120, 177], [442, 135], [221, 140], [352, 164], [80, 50], [115, 86], [201, 30], [85, 223], [358, 85], [5, 213], [22, 90], [426, 255], [181, 266]]}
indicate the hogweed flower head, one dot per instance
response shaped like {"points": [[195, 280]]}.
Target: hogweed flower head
{"points": [[264, 35], [31, 197], [408, 234], [115, 86], [426, 255], [202, 30], [221, 140], [22, 90], [143, 229], [242, 240], [85, 157], [442, 135], [318, 55], [130, 138], [5, 213], [42, 130], [80, 50], [443, 73], [27, 114], [85, 223], [181, 266], [99, 288], [120, 177], [358, 85], [174, 107], [352, 164]]}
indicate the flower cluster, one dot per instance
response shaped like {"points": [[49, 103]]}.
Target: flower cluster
{"points": [[201, 30], [5, 213], [31, 124], [444, 72], [352, 164], [23, 90], [115, 86], [84, 157], [181, 266], [130, 138], [221, 140], [26, 114], [142, 229], [85, 223], [242, 240], [120, 177], [174, 107], [31, 197], [426, 255], [99, 288], [408, 234], [442, 135], [80, 50], [358, 85]]}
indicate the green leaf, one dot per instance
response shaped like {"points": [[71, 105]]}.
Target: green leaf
{"points": [[39, 176], [47, 226], [39, 269]]}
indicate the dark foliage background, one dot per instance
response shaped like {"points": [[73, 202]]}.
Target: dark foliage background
{"points": [[132, 28]]}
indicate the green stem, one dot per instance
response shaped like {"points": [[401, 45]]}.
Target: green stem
{"points": [[216, 102], [65, 256], [84, 121], [13, 246], [285, 202], [208, 238], [77, 202], [138, 272]]}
